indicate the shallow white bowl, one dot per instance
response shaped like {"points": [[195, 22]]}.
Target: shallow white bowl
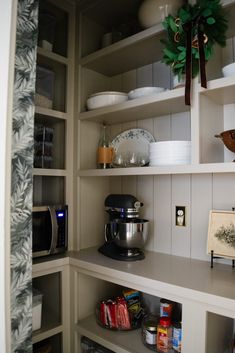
{"points": [[228, 70], [144, 91], [104, 99]]}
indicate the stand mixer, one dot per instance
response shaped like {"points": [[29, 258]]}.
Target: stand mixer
{"points": [[125, 233]]}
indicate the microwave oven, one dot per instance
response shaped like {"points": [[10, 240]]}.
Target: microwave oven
{"points": [[50, 230]]}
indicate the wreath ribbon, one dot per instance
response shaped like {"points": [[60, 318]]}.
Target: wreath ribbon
{"points": [[191, 36], [202, 62]]}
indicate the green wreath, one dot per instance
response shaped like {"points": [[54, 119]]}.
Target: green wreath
{"points": [[206, 17]]}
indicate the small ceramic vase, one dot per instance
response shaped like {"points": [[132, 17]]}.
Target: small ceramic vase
{"points": [[152, 12]]}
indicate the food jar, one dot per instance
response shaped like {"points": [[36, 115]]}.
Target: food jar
{"points": [[149, 330], [164, 335]]}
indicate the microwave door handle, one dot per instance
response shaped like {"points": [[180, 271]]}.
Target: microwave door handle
{"points": [[54, 229]]}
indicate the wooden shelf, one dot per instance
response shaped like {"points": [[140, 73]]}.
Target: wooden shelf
{"points": [[221, 91], [177, 169], [51, 113], [164, 103], [49, 264], [117, 341], [115, 58], [53, 56], [47, 332], [49, 172], [162, 275]]}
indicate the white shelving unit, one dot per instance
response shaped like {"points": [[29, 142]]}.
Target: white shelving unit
{"points": [[205, 294], [52, 279], [174, 268], [53, 185], [192, 283]]}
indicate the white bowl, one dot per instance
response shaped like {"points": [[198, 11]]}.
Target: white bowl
{"points": [[229, 70], [104, 99], [144, 91]]}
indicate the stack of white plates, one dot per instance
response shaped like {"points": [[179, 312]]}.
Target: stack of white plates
{"points": [[169, 152]]}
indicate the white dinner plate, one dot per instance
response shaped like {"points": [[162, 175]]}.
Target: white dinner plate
{"points": [[134, 142]]}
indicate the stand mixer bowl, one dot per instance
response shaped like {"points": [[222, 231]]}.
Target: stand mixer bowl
{"points": [[127, 234]]}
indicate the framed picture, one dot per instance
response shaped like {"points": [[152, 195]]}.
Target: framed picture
{"points": [[221, 234]]}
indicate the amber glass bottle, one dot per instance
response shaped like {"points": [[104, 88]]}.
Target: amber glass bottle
{"points": [[104, 151]]}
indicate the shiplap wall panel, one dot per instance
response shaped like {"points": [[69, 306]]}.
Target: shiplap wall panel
{"points": [[162, 128], [223, 188], [116, 83], [181, 196], [129, 81], [161, 75], [211, 123], [201, 204], [145, 194], [89, 132], [161, 194], [227, 54], [93, 192], [223, 191], [92, 82], [114, 130], [181, 127], [144, 76], [115, 185], [129, 185], [147, 124], [229, 123], [162, 213]]}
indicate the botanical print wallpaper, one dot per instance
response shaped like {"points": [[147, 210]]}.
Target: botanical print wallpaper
{"points": [[21, 184]]}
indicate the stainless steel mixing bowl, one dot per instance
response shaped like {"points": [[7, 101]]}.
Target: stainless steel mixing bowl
{"points": [[127, 235]]}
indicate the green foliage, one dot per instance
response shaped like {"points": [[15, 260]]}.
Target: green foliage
{"points": [[205, 15]]}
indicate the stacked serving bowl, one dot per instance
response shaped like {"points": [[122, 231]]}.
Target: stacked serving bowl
{"points": [[169, 153]]}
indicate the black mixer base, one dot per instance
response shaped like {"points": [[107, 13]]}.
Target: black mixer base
{"points": [[114, 252]]}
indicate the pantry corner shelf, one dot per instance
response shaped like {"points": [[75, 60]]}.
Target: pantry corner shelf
{"points": [[221, 91], [115, 58], [46, 332], [164, 103], [174, 169], [51, 113], [53, 56], [174, 277], [50, 172], [118, 341]]}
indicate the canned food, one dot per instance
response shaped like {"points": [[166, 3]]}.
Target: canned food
{"points": [[177, 337], [166, 307]]}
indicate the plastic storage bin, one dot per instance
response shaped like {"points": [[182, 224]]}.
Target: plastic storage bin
{"points": [[43, 146], [89, 346], [44, 87], [37, 309]]}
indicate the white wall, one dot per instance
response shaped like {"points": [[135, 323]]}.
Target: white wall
{"points": [[7, 39]]}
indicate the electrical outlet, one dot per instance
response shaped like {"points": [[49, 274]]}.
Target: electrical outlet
{"points": [[180, 216]]}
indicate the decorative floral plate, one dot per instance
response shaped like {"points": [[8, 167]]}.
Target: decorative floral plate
{"points": [[132, 148]]}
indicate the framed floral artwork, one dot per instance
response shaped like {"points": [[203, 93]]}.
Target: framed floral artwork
{"points": [[221, 234]]}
